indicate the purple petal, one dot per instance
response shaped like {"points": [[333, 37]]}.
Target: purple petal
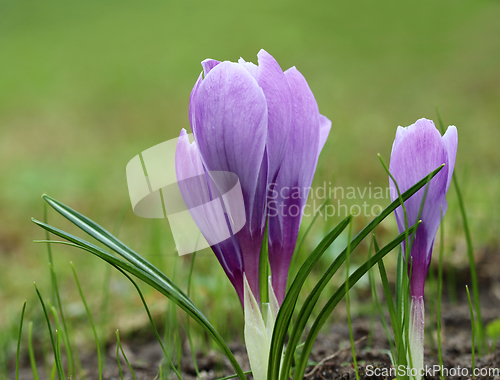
{"points": [[252, 68], [231, 131], [450, 139], [325, 125], [196, 193], [273, 82], [294, 179], [192, 101], [208, 64]]}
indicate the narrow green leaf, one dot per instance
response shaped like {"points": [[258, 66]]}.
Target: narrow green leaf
{"points": [[470, 255], [439, 294], [473, 330], [298, 247], [89, 314], [57, 301], [19, 340], [57, 359], [32, 352], [313, 297], [288, 306], [151, 279], [348, 304], [337, 296], [119, 347], [395, 323], [151, 321]]}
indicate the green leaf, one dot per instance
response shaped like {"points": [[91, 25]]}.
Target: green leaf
{"points": [[313, 297], [137, 266], [337, 296], [288, 306]]}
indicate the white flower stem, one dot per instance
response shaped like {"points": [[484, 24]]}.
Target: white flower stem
{"points": [[416, 336]]}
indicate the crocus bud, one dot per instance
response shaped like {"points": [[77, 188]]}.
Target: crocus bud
{"points": [[418, 150], [263, 125]]}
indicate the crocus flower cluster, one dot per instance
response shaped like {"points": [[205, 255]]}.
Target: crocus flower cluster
{"points": [[418, 150], [263, 125]]}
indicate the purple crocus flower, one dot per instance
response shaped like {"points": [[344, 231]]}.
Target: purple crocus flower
{"points": [[263, 125], [418, 150]]}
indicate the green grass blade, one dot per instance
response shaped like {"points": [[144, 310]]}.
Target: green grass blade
{"points": [[118, 355], [31, 351], [119, 346], [348, 303], [89, 314], [151, 279], [57, 301], [373, 293], [439, 291], [57, 359], [470, 255], [264, 270], [188, 320], [313, 297], [395, 321], [287, 307], [473, 330], [335, 299], [151, 321], [100, 234], [235, 375], [378, 307], [298, 247], [19, 340]]}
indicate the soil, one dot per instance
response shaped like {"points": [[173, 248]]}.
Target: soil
{"points": [[332, 350]]}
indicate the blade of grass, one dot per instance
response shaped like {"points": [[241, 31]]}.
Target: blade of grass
{"points": [[473, 330], [32, 352], [119, 345], [287, 307], [348, 304], [337, 296], [395, 322], [57, 301], [439, 291], [103, 320], [306, 232], [264, 270], [89, 314], [59, 334], [151, 321], [118, 356], [235, 375], [57, 359], [373, 294], [470, 255], [19, 340], [188, 324]]}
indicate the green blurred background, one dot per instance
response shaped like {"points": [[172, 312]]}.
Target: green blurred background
{"points": [[85, 86]]}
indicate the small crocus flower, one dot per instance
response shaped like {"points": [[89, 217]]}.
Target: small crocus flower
{"points": [[418, 150]]}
